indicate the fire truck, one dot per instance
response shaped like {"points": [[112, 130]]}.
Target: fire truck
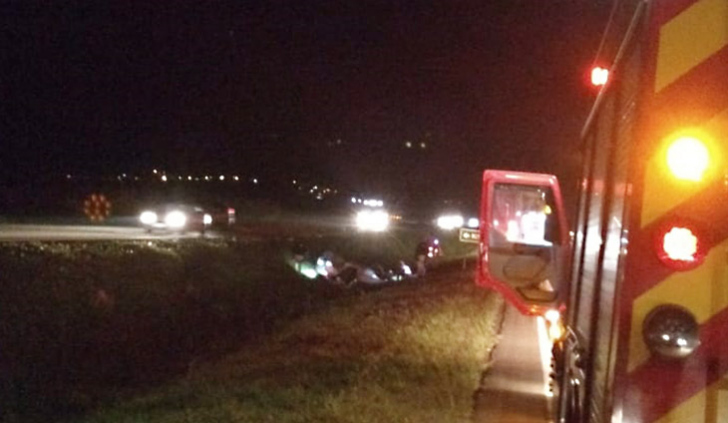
{"points": [[641, 284]]}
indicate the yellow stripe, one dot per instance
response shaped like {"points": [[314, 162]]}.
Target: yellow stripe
{"points": [[709, 405], [691, 37], [703, 291], [691, 410], [662, 191]]}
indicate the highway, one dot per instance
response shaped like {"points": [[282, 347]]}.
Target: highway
{"points": [[17, 232], [514, 388]]}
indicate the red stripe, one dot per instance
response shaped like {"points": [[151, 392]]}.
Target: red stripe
{"points": [[659, 385], [695, 97], [644, 269]]}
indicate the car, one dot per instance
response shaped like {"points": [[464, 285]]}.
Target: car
{"points": [[175, 218]]}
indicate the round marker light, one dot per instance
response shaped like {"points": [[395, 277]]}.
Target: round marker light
{"points": [[688, 158], [680, 246]]}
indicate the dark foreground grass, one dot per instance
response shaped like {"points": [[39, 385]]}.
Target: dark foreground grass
{"points": [[407, 353], [83, 321]]}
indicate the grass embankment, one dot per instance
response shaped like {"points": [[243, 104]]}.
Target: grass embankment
{"points": [[205, 330], [407, 353], [82, 321]]}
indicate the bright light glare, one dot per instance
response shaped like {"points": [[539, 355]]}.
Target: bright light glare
{"points": [[450, 222], [473, 222], [680, 244], [372, 220], [552, 316], [688, 158], [555, 332], [513, 232], [599, 76], [148, 217], [207, 219], [175, 219]]}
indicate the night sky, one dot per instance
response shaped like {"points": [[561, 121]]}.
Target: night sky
{"points": [[279, 88]]}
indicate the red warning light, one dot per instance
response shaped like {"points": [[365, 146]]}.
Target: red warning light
{"points": [[599, 76]]}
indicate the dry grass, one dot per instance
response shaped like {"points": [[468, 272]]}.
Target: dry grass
{"points": [[408, 353]]}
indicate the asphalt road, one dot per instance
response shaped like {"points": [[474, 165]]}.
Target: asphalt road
{"points": [[14, 232], [514, 388]]}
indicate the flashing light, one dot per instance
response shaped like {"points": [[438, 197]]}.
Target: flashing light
{"points": [[599, 76], [680, 246], [688, 158]]}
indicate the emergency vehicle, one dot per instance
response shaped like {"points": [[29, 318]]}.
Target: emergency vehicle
{"points": [[644, 291]]}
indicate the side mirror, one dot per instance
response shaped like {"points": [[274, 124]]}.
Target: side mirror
{"points": [[523, 239]]}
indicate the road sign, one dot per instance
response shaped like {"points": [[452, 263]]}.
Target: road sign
{"points": [[469, 235]]}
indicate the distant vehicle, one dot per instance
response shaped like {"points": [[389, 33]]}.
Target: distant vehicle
{"points": [[176, 218], [222, 215]]}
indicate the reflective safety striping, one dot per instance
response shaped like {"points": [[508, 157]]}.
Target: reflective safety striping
{"points": [[692, 410], [657, 199], [703, 291], [688, 39], [709, 406], [658, 387]]}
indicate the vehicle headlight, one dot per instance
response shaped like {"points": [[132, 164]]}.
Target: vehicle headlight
{"points": [[372, 220], [450, 222], [175, 219], [148, 217], [206, 219]]}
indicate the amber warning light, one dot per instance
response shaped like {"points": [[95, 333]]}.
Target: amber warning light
{"points": [[688, 159]]}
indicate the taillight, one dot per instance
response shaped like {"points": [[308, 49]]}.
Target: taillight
{"points": [[680, 245]]}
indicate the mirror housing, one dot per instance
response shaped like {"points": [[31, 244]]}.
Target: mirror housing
{"points": [[524, 240]]}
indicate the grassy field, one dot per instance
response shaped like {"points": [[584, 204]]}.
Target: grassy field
{"points": [[207, 330], [407, 353]]}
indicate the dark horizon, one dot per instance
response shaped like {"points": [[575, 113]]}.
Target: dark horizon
{"points": [[254, 87]]}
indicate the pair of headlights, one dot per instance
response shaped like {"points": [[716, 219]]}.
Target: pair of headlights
{"points": [[175, 219]]}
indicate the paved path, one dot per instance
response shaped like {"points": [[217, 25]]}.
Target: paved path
{"points": [[12, 232], [513, 389]]}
